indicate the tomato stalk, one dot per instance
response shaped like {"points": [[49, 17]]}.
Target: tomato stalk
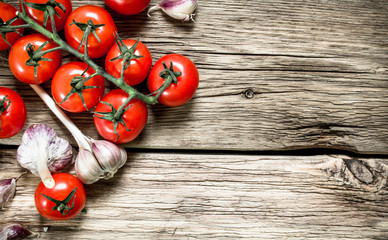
{"points": [[115, 116], [6, 27], [169, 75], [149, 99], [4, 105], [62, 206], [78, 85]]}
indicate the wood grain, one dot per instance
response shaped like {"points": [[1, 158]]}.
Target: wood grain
{"points": [[274, 75], [196, 196]]}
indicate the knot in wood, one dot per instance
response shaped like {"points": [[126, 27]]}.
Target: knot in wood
{"points": [[249, 93], [360, 170]]}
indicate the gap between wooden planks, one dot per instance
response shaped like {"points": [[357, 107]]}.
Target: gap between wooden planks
{"points": [[217, 196]]}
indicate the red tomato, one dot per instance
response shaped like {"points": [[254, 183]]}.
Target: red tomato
{"points": [[63, 85], [38, 16], [13, 113], [177, 93], [135, 117], [18, 57], [105, 33], [7, 12], [138, 68], [64, 185], [128, 7]]}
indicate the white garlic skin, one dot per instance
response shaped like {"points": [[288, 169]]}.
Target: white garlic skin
{"points": [[87, 168], [179, 9], [103, 163]]}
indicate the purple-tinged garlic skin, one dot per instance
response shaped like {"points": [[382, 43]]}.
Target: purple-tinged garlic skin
{"points": [[14, 231], [179, 9], [38, 140], [7, 191], [109, 155]]}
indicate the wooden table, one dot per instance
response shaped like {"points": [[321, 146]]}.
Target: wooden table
{"points": [[286, 137]]}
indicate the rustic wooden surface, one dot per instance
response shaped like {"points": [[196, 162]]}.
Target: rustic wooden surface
{"points": [[197, 196], [274, 76]]}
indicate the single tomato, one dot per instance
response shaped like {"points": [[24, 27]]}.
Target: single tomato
{"points": [[7, 12], [138, 67], [127, 125], [102, 25], [63, 10], [72, 92], [128, 7], [13, 113], [186, 73], [62, 202], [22, 68]]}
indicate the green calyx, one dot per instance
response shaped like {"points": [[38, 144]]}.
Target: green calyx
{"points": [[78, 86], [169, 73], [62, 206], [47, 7], [115, 116], [87, 28], [126, 54], [5, 27], [4, 105], [36, 56]]}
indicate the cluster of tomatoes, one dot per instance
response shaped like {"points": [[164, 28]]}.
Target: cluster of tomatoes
{"points": [[79, 96], [76, 87]]}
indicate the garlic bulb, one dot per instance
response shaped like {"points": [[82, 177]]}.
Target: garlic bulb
{"points": [[178, 9], [43, 152], [102, 163]]}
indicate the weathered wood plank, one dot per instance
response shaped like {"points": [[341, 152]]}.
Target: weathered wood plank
{"points": [[197, 196], [275, 75]]}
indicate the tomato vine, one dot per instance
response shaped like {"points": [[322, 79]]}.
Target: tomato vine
{"points": [[63, 45]]}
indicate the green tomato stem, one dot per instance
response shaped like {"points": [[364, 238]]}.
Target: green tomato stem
{"points": [[99, 70], [51, 13], [40, 54], [120, 111]]}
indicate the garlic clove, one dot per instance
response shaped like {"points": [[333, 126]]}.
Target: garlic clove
{"points": [[178, 9], [110, 156], [87, 169], [16, 231], [123, 157], [7, 190]]}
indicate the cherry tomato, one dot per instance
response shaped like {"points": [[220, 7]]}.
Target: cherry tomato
{"points": [[18, 57], [67, 82], [105, 33], [138, 68], [135, 117], [7, 12], [66, 186], [13, 113], [177, 93], [38, 16], [128, 7]]}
